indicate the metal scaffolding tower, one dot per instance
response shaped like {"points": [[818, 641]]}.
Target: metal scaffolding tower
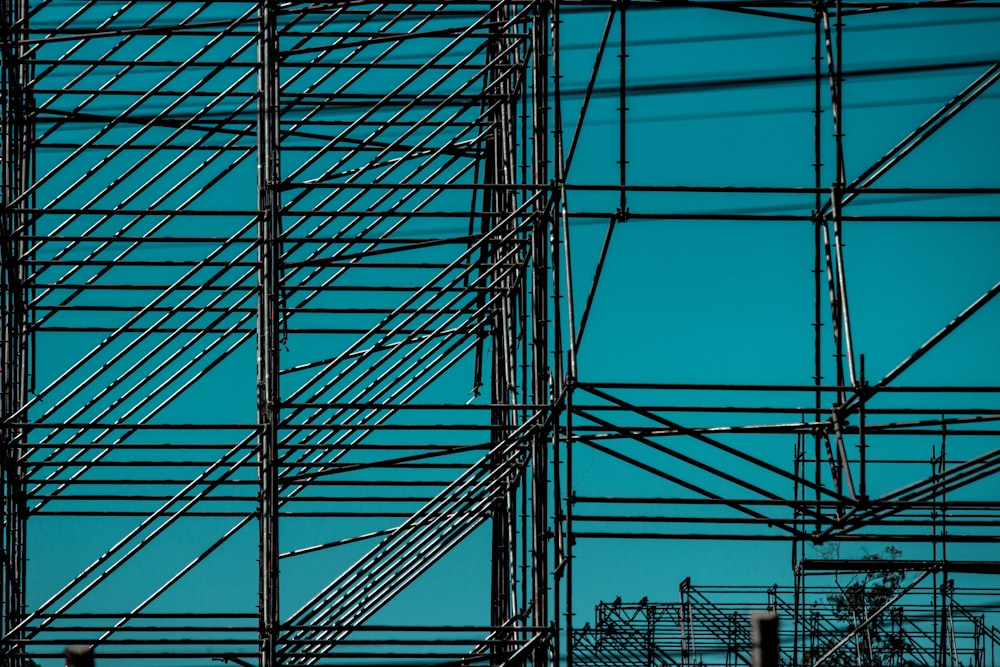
{"points": [[387, 333]]}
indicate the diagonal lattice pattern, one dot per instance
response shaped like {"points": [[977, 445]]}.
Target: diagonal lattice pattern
{"points": [[385, 333]]}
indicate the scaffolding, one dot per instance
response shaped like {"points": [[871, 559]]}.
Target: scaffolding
{"points": [[710, 625], [384, 333]]}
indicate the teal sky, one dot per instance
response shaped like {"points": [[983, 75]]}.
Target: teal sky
{"points": [[717, 98]]}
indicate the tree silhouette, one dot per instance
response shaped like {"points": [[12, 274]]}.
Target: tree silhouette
{"points": [[880, 641]]}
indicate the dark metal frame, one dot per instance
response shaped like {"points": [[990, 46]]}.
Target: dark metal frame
{"points": [[409, 230]]}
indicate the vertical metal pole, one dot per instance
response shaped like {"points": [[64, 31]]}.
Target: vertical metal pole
{"points": [[17, 147], [687, 628], [835, 197], [947, 585], [942, 469], [798, 546], [818, 256], [934, 544], [268, 318], [541, 388], [498, 171], [946, 655], [622, 109], [835, 256], [554, 199], [817, 220], [568, 439], [862, 387], [979, 641], [936, 590], [732, 645], [7, 387]]}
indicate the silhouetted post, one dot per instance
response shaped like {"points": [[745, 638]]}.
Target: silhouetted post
{"points": [[79, 656], [764, 639]]}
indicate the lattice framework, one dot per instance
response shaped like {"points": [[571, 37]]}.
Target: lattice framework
{"points": [[305, 320]]}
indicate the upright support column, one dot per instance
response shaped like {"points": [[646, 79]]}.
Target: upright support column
{"points": [[804, 632], [686, 626], [15, 336], [268, 318], [541, 387], [498, 167]]}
